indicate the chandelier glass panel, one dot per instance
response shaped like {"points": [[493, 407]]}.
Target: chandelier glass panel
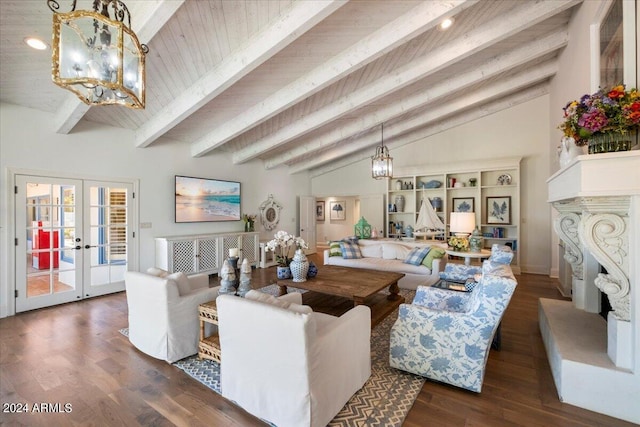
{"points": [[98, 57], [382, 162]]}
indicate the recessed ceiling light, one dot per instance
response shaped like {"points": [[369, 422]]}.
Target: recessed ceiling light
{"points": [[36, 43], [446, 23]]}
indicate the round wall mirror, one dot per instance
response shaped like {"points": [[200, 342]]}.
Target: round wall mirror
{"points": [[270, 213]]}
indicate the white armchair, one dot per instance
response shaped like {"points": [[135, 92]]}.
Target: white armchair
{"points": [[292, 368], [163, 313]]}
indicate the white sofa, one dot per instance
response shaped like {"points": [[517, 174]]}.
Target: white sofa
{"points": [[389, 255], [291, 368], [163, 313]]}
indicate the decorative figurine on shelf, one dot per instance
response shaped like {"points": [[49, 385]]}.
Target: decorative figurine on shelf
{"points": [[245, 278], [408, 231], [227, 279]]}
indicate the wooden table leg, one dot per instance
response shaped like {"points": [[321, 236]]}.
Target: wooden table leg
{"points": [[201, 329], [283, 290], [393, 292]]}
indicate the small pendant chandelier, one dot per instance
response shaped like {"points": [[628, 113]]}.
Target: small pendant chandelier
{"points": [[97, 57], [382, 163]]}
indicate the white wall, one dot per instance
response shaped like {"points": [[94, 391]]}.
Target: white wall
{"points": [[28, 142], [519, 131], [330, 229], [572, 80]]}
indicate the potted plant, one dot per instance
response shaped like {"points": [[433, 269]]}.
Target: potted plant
{"points": [[605, 120], [282, 245]]}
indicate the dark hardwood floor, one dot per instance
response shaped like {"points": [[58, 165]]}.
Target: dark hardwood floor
{"points": [[73, 354]]}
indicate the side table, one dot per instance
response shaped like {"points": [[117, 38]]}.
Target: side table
{"points": [[209, 347], [467, 255]]}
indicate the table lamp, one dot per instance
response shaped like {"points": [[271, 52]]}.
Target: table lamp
{"points": [[461, 225]]}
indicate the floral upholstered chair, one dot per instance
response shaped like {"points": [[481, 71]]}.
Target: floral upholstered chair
{"points": [[446, 335]]}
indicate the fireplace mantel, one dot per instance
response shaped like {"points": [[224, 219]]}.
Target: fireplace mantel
{"points": [[597, 198]]}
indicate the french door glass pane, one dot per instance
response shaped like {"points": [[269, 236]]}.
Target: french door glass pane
{"points": [[50, 236], [108, 234]]}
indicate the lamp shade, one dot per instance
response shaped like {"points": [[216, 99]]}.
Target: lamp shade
{"points": [[462, 222]]}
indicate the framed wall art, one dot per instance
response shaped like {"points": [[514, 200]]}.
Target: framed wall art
{"points": [[206, 200], [499, 210], [463, 204], [320, 211], [338, 210]]}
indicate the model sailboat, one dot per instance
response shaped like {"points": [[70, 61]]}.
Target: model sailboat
{"points": [[428, 223]]}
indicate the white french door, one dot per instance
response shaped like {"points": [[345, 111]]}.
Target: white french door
{"points": [[308, 222], [73, 239]]}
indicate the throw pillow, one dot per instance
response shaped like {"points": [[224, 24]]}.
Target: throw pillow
{"points": [[434, 253], [334, 249], [416, 256], [158, 272], [351, 239], [182, 281], [350, 250]]}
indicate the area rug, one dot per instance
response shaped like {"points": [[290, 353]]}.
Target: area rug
{"points": [[385, 399]]}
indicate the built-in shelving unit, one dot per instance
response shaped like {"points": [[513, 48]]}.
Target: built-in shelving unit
{"points": [[469, 184]]}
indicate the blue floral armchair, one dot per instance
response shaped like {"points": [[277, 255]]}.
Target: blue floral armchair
{"points": [[446, 335]]}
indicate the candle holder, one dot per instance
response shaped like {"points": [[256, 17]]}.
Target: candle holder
{"points": [[233, 262], [229, 277]]}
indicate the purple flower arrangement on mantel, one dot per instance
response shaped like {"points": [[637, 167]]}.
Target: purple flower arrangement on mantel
{"points": [[605, 120]]}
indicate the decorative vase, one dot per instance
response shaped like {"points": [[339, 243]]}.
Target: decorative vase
{"points": [[399, 203], [284, 273], [476, 241], [568, 151], [398, 185], [609, 142], [313, 270], [436, 203], [299, 266], [408, 231]]}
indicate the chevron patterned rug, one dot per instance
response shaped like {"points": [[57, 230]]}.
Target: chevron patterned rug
{"points": [[385, 398]]}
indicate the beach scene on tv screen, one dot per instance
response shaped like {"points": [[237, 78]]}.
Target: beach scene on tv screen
{"points": [[199, 199]]}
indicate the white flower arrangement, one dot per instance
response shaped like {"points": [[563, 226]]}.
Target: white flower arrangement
{"points": [[285, 242]]}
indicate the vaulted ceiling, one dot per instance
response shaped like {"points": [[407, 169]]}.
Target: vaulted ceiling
{"points": [[303, 84]]}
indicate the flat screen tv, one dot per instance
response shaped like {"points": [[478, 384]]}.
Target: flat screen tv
{"points": [[206, 200]]}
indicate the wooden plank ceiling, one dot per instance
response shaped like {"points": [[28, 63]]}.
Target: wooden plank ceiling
{"points": [[304, 84]]}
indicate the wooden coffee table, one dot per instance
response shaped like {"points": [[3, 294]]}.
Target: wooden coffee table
{"points": [[358, 285]]}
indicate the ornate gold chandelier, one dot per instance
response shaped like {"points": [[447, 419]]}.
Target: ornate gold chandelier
{"points": [[98, 57]]}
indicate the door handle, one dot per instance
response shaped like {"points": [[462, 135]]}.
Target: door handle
{"points": [[88, 246], [77, 248]]}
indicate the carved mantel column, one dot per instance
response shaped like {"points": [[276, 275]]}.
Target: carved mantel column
{"points": [[601, 225], [604, 231], [566, 226]]}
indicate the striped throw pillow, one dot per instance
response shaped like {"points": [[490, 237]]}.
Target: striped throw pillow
{"points": [[334, 249]]}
